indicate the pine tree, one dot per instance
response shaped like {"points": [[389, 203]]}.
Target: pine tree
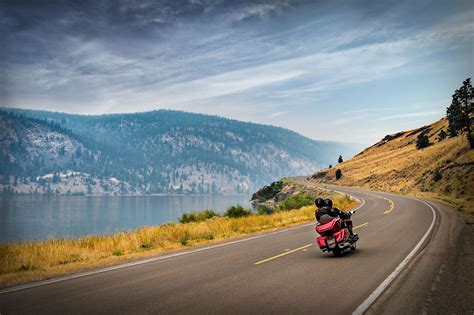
{"points": [[340, 160], [461, 111], [338, 173]]}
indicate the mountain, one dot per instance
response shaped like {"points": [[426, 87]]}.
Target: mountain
{"points": [[160, 151], [444, 169]]}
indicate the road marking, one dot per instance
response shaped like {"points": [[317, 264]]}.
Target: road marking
{"points": [[283, 254], [392, 205], [299, 248], [361, 225], [144, 261], [381, 288]]}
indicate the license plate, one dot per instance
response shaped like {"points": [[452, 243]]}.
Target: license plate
{"points": [[331, 242]]}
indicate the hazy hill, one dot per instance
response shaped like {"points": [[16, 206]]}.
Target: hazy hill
{"points": [[444, 169], [154, 152]]}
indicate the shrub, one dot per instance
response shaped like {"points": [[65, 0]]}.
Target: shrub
{"points": [[263, 209], [197, 216], [237, 212], [442, 135], [437, 176], [338, 173], [118, 252], [422, 141], [296, 201]]}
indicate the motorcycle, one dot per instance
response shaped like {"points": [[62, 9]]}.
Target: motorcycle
{"points": [[334, 238]]}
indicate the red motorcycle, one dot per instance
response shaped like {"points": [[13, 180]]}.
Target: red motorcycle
{"points": [[334, 237]]}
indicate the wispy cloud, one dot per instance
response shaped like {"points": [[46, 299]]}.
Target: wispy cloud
{"points": [[273, 115], [411, 115], [250, 59]]}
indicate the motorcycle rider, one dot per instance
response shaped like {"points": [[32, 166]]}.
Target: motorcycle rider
{"points": [[346, 217], [324, 213]]}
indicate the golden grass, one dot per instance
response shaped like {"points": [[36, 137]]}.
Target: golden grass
{"points": [[23, 262], [397, 166]]}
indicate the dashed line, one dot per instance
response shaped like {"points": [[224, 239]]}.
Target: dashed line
{"points": [[361, 225], [287, 252], [392, 205], [283, 254]]}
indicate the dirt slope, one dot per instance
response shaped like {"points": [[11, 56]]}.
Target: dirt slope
{"points": [[443, 170]]}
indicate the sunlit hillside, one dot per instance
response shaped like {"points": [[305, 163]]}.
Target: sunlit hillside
{"points": [[444, 169]]}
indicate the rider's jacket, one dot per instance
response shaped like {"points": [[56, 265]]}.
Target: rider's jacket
{"points": [[325, 211], [332, 212]]}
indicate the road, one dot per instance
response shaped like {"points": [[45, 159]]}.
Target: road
{"points": [[274, 273]]}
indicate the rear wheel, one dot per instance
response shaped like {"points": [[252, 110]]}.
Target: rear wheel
{"points": [[337, 252]]}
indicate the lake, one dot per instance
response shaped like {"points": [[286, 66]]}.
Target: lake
{"points": [[40, 217]]}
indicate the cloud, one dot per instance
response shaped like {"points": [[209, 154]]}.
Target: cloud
{"points": [[259, 9], [273, 115], [411, 115]]}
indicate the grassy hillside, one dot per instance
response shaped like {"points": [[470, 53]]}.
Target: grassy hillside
{"points": [[443, 170]]}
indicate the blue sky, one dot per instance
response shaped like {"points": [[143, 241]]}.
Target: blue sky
{"points": [[349, 71]]}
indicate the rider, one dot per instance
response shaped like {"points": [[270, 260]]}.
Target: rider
{"points": [[346, 217], [324, 212]]}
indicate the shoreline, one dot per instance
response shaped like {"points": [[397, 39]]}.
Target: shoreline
{"points": [[32, 261]]}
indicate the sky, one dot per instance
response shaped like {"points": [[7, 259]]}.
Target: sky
{"points": [[350, 71]]}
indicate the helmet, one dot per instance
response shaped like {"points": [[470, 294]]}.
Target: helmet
{"points": [[319, 202], [328, 202]]}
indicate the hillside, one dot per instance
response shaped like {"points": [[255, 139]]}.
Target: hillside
{"points": [[444, 169], [154, 152]]}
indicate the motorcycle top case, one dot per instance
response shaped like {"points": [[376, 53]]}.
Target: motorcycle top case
{"points": [[333, 225]]}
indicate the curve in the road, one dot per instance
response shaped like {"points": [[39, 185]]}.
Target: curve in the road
{"points": [[225, 278]]}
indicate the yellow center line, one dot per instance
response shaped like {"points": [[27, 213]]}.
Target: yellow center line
{"points": [[284, 254], [392, 205], [299, 248], [390, 208], [361, 225]]}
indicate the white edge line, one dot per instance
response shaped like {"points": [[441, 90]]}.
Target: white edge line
{"points": [[141, 262], [378, 291]]}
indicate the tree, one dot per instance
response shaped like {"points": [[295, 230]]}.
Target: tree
{"points": [[56, 178], [442, 135], [338, 173], [330, 165], [340, 160], [422, 141], [461, 110]]}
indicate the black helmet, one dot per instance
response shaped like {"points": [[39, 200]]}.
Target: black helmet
{"points": [[328, 202], [319, 202]]}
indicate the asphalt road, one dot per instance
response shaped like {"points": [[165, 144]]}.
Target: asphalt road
{"points": [[276, 273]]}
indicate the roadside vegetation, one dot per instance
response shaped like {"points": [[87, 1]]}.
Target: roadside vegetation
{"points": [[433, 161], [27, 261]]}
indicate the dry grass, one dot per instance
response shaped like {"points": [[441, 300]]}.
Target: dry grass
{"points": [[23, 262], [444, 170]]}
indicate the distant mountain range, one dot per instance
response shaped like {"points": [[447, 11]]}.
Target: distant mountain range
{"points": [[154, 152]]}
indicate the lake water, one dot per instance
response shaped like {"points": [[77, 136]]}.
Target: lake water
{"points": [[40, 217]]}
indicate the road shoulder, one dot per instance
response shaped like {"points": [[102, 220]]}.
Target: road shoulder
{"points": [[442, 271]]}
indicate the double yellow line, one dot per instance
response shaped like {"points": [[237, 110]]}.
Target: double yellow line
{"points": [[299, 248]]}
